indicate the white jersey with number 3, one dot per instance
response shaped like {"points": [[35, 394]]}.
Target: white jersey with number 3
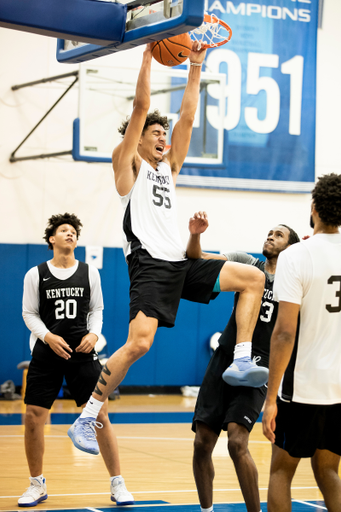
{"points": [[309, 274], [150, 216]]}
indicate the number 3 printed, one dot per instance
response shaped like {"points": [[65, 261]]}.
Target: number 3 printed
{"points": [[268, 312], [329, 307]]}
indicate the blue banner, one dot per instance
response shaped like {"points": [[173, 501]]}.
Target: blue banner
{"points": [[269, 125]]}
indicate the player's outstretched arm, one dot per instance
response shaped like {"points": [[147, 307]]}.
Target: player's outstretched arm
{"points": [[198, 225], [182, 131], [125, 158]]}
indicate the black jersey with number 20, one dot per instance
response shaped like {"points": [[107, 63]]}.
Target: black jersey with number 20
{"points": [[64, 308]]}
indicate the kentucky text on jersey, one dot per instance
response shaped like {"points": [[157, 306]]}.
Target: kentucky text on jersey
{"points": [[56, 293], [161, 180], [268, 294]]}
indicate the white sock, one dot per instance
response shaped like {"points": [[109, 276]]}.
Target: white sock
{"points": [[242, 350], [210, 509], [112, 478], [92, 408], [40, 478]]}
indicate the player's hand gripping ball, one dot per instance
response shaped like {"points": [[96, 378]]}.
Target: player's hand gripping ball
{"points": [[172, 51]]}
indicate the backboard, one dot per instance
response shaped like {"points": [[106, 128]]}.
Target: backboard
{"points": [[146, 21], [90, 21], [106, 97]]}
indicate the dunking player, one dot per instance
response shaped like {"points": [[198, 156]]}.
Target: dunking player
{"points": [[160, 274], [221, 406], [305, 421], [62, 307]]}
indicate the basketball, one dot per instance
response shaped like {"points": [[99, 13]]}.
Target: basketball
{"points": [[172, 51]]}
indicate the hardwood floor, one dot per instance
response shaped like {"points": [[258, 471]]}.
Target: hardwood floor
{"points": [[156, 459]]}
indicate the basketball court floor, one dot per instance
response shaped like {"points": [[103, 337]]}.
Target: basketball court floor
{"points": [[155, 441]]}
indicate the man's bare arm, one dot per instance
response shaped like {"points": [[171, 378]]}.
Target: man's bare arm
{"points": [[281, 347], [182, 131], [125, 156], [198, 225]]}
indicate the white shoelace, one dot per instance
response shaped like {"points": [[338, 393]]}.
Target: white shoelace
{"points": [[37, 489], [89, 431]]}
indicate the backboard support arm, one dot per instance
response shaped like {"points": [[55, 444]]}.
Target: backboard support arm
{"points": [[14, 158]]}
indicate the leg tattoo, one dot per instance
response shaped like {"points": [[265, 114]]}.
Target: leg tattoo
{"points": [[101, 380], [106, 370], [98, 391]]}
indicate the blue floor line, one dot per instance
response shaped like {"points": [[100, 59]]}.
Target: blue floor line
{"points": [[164, 506], [150, 502], [115, 417]]}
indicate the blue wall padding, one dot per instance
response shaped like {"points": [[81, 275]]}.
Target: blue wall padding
{"points": [[89, 21], [178, 357]]}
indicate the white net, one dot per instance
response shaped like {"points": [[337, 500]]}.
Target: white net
{"points": [[211, 33]]}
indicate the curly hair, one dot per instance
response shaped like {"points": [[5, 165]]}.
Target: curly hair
{"points": [[57, 220], [152, 118], [327, 199], [293, 236]]}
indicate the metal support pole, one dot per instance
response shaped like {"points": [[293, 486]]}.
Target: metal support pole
{"points": [[44, 80], [43, 155], [13, 158]]}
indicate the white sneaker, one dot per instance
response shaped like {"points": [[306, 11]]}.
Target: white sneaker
{"points": [[83, 435], [119, 493], [34, 494], [245, 372]]}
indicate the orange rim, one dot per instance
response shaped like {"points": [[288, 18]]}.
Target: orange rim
{"points": [[212, 18]]}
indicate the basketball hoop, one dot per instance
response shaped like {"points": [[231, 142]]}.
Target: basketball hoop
{"points": [[213, 32]]}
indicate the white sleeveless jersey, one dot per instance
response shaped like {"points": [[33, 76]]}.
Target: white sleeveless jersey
{"points": [[309, 274], [150, 217]]}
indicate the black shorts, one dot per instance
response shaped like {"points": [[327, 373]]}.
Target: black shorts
{"points": [[156, 286], [301, 429], [219, 404], [45, 378]]}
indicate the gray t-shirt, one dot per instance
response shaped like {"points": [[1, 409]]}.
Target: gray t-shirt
{"points": [[248, 259]]}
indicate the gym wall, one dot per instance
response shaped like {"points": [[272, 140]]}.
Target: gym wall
{"points": [[31, 191], [178, 357]]}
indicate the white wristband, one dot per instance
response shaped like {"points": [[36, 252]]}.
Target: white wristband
{"points": [[195, 64]]}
